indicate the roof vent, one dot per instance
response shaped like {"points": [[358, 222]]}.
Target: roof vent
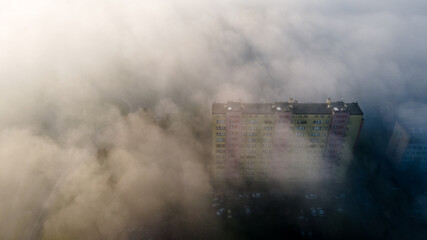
{"points": [[229, 108]]}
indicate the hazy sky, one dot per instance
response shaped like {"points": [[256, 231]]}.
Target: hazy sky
{"points": [[63, 62]]}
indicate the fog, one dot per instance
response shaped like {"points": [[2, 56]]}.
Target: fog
{"points": [[105, 105]]}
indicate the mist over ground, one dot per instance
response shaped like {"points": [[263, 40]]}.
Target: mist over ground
{"points": [[105, 105]]}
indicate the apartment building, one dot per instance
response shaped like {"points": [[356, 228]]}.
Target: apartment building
{"points": [[283, 141], [408, 147]]}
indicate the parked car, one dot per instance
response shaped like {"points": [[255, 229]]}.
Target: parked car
{"points": [[248, 210], [313, 212], [220, 212], [340, 196], [256, 195], [306, 233], [243, 195], [311, 196], [229, 215], [320, 212]]}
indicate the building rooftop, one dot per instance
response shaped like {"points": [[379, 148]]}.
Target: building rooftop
{"points": [[293, 107]]}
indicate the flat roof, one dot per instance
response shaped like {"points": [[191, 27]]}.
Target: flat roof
{"points": [[295, 108]]}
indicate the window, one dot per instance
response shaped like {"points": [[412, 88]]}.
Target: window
{"points": [[220, 121], [314, 140], [268, 128], [300, 128], [251, 139], [220, 133], [220, 139], [268, 122], [220, 127], [302, 121], [315, 134], [252, 128], [299, 134], [318, 121], [251, 134], [317, 128], [267, 134]]}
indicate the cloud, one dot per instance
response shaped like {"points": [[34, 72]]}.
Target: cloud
{"points": [[161, 64]]}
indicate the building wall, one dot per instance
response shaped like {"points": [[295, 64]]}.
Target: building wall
{"points": [[218, 146], [415, 156], [281, 145], [408, 149], [398, 143], [353, 131], [310, 133]]}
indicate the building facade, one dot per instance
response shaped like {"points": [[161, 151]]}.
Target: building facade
{"points": [[408, 148], [283, 141]]}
